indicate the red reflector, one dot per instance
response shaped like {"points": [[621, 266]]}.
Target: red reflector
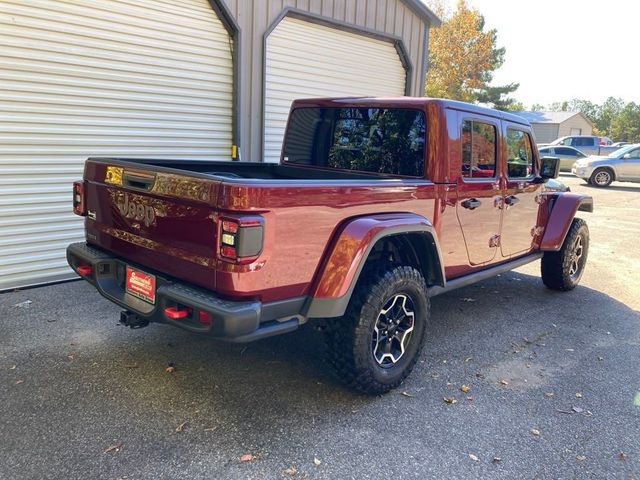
{"points": [[230, 227], [84, 269], [205, 318], [228, 251], [79, 207], [174, 314]]}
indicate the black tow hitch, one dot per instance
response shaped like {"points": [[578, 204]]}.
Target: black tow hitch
{"points": [[132, 320]]}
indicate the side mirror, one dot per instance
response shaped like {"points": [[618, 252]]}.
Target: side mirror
{"points": [[549, 167]]}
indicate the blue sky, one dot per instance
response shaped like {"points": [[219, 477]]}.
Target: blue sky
{"points": [[563, 49]]}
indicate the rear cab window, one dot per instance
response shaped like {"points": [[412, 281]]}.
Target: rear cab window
{"points": [[520, 159], [389, 141], [478, 142]]}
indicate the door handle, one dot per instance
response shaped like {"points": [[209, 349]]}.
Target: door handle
{"points": [[471, 203], [511, 200]]}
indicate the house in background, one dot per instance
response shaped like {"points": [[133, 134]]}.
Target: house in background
{"points": [[190, 79], [547, 126]]}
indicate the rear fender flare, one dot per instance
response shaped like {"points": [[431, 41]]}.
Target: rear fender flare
{"points": [[336, 278], [563, 211]]}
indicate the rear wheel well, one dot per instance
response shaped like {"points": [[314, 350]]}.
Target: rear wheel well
{"points": [[414, 249]]}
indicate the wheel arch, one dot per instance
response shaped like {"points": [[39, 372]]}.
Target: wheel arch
{"points": [[361, 240], [564, 207]]}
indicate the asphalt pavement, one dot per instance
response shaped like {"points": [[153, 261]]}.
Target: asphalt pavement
{"points": [[553, 386]]}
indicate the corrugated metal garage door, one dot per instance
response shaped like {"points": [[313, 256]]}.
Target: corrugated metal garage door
{"points": [[98, 77], [304, 59]]}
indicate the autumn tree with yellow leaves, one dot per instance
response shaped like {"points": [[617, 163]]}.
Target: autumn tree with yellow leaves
{"points": [[463, 57]]}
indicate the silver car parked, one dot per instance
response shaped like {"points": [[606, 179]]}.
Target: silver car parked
{"points": [[567, 156], [623, 165]]}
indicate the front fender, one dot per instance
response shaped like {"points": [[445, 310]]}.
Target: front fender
{"points": [[565, 206], [336, 278]]}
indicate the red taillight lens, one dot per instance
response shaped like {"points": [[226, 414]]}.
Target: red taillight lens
{"points": [[241, 238], [174, 313], [84, 270], [79, 206], [205, 318]]}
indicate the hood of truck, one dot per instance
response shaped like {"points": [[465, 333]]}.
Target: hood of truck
{"points": [[162, 221]]}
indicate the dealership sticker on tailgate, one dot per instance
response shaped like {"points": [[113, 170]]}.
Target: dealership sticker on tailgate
{"points": [[141, 285]]}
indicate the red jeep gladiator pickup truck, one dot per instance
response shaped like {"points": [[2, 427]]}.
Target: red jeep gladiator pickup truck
{"points": [[376, 205]]}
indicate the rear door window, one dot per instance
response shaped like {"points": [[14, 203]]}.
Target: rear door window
{"points": [[478, 149], [520, 161]]}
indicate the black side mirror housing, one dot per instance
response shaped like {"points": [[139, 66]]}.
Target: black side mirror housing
{"points": [[549, 167]]}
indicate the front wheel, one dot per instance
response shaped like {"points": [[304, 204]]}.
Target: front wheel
{"points": [[563, 269], [376, 344], [601, 177]]}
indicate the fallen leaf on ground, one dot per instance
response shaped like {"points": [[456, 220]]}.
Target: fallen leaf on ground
{"points": [[406, 394], [535, 431], [114, 448], [465, 388], [71, 356], [180, 427], [581, 457], [468, 359], [12, 367], [503, 382], [549, 394], [577, 409], [170, 369], [470, 398], [18, 382], [210, 429], [24, 304], [578, 395], [496, 460], [622, 455], [291, 471], [450, 400], [316, 462], [247, 457], [473, 457], [600, 358]]}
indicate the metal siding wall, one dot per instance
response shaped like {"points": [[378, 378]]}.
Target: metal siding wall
{"points": [[575, 122], [545, 132], [306, 60], [254, 18], [87, 78]]}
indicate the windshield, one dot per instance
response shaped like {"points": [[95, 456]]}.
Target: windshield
{"points": [[561, 141], [621, 151]]}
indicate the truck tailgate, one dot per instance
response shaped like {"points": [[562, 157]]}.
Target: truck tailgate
{"points": [[162, 220]]}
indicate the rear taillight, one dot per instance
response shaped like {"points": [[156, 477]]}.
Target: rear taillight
{"points": [[241, 238], [79, 205]]}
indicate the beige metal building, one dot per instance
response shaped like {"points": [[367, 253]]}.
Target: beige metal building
{"points": [[547, 126], [171, 79]]}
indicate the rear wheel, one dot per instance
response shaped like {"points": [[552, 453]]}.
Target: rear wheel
{"points": [[601, 177], [563, 269], [376, 344]]}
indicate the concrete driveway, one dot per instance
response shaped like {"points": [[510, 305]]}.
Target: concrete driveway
{"points": [[552, 378]]}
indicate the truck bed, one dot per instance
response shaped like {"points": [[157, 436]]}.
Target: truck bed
{"points": [[246, 171]]}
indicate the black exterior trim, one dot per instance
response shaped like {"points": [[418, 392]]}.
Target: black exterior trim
{"points": [[490, 272], [233, 320]]}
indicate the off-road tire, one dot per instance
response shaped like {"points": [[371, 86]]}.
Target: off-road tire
{"points": [[350, 340], [601, 177], [557, 266]]}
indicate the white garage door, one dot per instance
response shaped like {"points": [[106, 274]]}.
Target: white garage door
{"points": [[145, 78], [304, 59]]}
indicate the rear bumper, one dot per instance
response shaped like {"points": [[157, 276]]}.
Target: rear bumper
{"points": [[237, 321]]}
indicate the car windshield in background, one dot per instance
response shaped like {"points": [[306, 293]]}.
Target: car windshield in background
{"points": [[377, 140], [621, 151]]}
